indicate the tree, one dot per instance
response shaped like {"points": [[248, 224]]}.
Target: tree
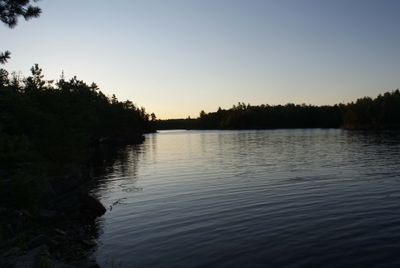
{"points": [[4, 56], [3, 77], [35, 82], [153, 117], [10, 11]]}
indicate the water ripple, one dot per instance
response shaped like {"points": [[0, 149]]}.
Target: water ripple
{"points": [[280, 198]]}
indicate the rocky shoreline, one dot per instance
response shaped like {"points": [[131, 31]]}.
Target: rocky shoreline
{"points": [[60, 233]]}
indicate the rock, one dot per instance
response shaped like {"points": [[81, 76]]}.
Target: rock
{"points": [[30, 259], [92, 207], [26, 214], [18, 220], [10, 257], [44, 259], [68, 203], [103, 140], [60, 232], [3, 211], [10, 230], [49, 195], [37, 241], [64, 184], [12, 252], [89, 243], [53, 243], [58, 264], [88, 264], [48, 214]]}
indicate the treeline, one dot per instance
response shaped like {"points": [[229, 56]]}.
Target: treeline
{"points": [[58, 123], [52, 135], [382, 112]]}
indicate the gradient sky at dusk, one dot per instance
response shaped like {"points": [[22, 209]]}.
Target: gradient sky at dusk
{"points": [[179, 57]]}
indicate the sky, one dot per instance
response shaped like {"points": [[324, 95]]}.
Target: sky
{"points": [[178, 57]]}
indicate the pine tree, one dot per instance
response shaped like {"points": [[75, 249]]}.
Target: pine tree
{"points": [[10, 11]]}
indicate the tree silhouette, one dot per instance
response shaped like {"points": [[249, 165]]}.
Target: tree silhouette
{"points": [[383, 112], [4, 56], [36, 80], [10, 11], [153, 117]]}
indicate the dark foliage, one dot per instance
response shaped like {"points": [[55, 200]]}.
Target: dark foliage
{"points": [[4, 56], [177, 124], [380, 113], [243, 116], [10, 11], [59, 123]]}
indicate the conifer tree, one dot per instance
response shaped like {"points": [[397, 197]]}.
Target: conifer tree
{"points": [[10, 11]]}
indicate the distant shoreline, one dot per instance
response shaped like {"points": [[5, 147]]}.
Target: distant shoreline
{"points": [[366, 113]]}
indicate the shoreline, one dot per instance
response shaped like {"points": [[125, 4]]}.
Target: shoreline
{"points": [[61, 232]]}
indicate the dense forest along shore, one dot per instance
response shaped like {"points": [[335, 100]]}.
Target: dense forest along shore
{"points": [[383, 112], [51, 136]]}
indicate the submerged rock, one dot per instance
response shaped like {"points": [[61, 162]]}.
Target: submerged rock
{"points": [[91, 207]]}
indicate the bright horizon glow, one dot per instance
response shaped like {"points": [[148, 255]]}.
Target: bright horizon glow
{"points": [[176, 58]]}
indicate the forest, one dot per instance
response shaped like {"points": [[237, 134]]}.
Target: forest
{"points": [[383, 112], [51, 127]]}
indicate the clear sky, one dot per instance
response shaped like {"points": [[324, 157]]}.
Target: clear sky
{"points": [[177, 57]]}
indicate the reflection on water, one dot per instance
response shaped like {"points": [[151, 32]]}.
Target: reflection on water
{"points": [[253, 199]]}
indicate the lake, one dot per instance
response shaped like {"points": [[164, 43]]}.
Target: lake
{"points": [[273, 198]]}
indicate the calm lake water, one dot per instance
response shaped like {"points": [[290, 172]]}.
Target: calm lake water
{"points": [[276, 198]]}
